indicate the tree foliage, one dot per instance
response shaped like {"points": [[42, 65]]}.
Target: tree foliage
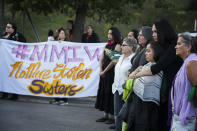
{"points": [[114, 11], [106, 10]]}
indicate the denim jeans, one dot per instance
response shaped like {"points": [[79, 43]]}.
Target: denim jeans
{"points": [[177, 126], [117, 106]]}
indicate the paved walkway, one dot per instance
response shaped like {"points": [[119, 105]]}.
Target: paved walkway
{"points": [[35, 114]]}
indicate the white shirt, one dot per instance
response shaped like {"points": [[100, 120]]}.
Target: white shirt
{"points": [[121, 69], [50, 38]]}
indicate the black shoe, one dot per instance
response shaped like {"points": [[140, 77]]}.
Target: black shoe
{"points": [[103, 119], [110, 121], [4, 96], [13, 97], [112, 127]]}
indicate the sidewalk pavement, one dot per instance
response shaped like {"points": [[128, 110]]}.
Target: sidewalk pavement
{"points": [[30, 113], [46, 100]]}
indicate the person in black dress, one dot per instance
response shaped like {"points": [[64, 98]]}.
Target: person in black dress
{"points": [[104, 101]]}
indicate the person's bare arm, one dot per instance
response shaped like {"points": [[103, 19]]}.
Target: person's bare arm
{"points": [[192, 72], [131, 76], [146, 72], [136, 73], [107, 51], [101, 61], [111, 64]]}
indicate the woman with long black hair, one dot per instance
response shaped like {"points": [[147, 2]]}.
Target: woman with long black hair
{"points": [[105, 98]]}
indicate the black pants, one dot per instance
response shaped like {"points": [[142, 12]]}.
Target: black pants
{"points": [[13, 96], [61, 99], [163, 117]]}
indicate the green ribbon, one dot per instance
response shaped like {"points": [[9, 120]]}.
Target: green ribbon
{"points": [[193, 95]]}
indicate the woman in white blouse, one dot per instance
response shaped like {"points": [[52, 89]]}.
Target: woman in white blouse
{"points": [[129, 46]]}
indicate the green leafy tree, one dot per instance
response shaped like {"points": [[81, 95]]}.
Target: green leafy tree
{"points": [[130, 12], [107, 10], [181, 14]]}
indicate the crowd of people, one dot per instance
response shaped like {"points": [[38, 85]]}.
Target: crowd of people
{"points": [[154, 67], [161, 75]]}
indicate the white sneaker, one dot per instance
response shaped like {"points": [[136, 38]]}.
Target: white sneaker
{"points": [[61, 103], [53, 102]]}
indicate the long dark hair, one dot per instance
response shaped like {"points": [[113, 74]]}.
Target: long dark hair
{"points": [[116, 35], [158, 50], [50, 33], [165, 33], [92, 28], [135, 33], [13, 26], [194, 45], [71, 22]]}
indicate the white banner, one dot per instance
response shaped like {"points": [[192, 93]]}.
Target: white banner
{"points": [[50, 69]]}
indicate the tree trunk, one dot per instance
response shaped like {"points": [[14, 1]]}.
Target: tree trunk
{"points": [[80, 22]]}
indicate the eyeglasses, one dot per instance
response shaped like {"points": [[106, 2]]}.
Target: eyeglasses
{"points": [[125, 45], [8, 27]]}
